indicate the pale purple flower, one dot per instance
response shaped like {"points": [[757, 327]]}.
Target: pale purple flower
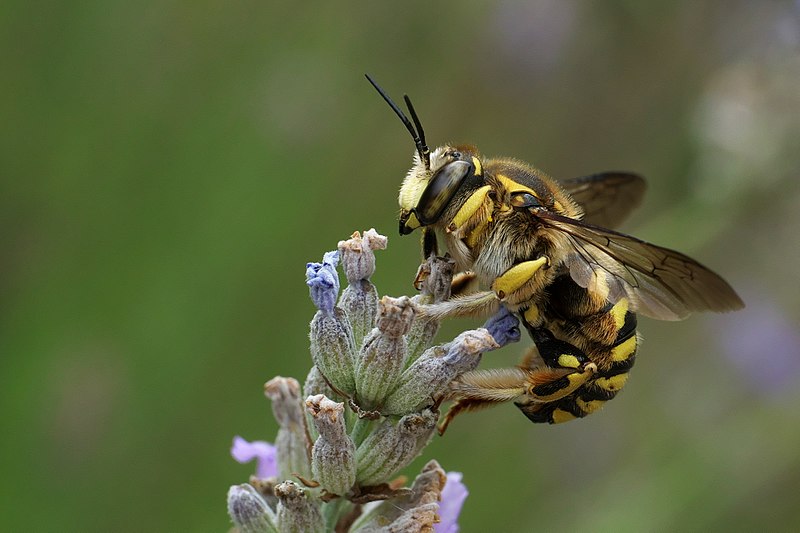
{"points": [[453, 496], [262, 452], [323, 281]]}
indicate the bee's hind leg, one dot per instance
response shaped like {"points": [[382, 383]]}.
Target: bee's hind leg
{"points": [[478, 389]]}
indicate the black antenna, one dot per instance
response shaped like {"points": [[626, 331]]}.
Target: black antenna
{"points": [[425, 153], [419, 138]]}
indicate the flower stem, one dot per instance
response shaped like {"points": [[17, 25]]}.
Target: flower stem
{"points": [[360, 430], [331, 512]]}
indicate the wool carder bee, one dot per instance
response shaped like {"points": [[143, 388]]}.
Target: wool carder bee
{"points": [[545, 250]]}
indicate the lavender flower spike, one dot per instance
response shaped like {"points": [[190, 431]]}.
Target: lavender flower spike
{"points": [[323, 281], [453, 496], [263, 452], [368, 408]]}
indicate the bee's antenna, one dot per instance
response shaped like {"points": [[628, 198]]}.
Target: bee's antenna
{"points": [[424, 151], [419, 138]]}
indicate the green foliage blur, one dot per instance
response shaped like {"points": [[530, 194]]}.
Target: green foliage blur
{"points": [[168, 168]]}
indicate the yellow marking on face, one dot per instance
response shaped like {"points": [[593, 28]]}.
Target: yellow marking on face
{"points": [[412, 222], [568, 361], [473, 203], [619, 311], [624, 350], [532, 316], [478, 167], [513, 187], [516, 276], [590, 406], [559, 415], [614, 383]]}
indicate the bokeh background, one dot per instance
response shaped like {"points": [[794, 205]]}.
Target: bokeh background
{"points": [[168, 168]]}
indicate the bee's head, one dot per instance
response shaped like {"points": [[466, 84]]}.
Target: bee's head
{"points": [[427, 192], [435, 177]]}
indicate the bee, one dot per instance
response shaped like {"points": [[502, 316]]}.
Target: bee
{"points": [[546, 251]]}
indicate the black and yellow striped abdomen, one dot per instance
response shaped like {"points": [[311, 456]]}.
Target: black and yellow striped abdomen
{"points": [[576, 333]]}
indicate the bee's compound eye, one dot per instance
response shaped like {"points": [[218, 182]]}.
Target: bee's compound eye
{"points": [[440, 190], [525, 200]]}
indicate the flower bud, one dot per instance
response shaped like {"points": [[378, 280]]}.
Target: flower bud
{"points": [[360, 298], [503, 326], [439, 365], [390, 515], [292, 443], [436, 274], [297, 513], [333, 348], [419, 519], [323, 281], [315, 384], [392, 446], [357, 253], [333, 458], [383, 354], [249, 511], [332, 345]]}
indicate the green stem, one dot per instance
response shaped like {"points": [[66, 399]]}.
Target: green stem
{"points": [[360, 430], [331, 512]]}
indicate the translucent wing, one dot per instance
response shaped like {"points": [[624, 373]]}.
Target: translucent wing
{"points": [[660, 283], [607, 198]]}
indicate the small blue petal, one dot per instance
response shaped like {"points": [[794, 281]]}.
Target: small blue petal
{"points": [[453, 496], [263, 452], [503, 327], [323, 281]]}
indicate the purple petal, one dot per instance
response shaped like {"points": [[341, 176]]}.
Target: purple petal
{"points": [[504, 327], [323, 281], [261, 451], [453, 496]]}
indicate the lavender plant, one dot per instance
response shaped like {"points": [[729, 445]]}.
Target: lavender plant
{"points": [[368, 407]]}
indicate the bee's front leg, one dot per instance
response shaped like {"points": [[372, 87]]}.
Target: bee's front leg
{"points": [[477, 304]]}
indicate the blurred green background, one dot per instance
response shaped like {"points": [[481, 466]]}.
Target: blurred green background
{"points": [[168, 168]]}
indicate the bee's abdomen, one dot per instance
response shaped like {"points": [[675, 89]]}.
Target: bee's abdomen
{"points": [[606, 337], [602, 387]]}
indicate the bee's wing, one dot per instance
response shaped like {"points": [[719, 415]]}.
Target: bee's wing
{"points": [[660, 283], [607, 198]]}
